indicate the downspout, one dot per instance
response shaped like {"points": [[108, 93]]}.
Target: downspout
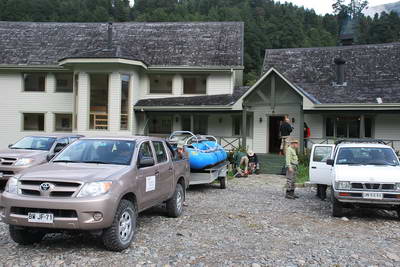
{"points": [[244, 126]]}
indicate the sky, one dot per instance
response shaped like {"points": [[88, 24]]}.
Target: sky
{"points": [[325, 6]]}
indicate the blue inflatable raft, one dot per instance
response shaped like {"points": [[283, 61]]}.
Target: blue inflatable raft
{"points": [[204, 151]]}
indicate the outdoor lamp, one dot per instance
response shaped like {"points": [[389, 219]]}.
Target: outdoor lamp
{"points": [[260, 119]]}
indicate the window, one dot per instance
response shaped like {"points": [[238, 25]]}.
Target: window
{"points": [[200, 124], [145, 152], [160, 152], [366, 156], [34, 143], [160, 84], [160, 125], [34, 82], [33, 122], [64, 82], [63, 122], [347, 127], [98, 102], [237, 125], [124, 101], [195, 84], [60, 144], [322, 153]]}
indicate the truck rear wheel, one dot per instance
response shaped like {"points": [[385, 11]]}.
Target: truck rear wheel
{"points": [[337, 207], [122, 231], [175, 203], [25, 236]]}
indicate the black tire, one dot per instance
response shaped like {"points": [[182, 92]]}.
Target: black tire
{"points": [[175, 203], [222, 182], [25, 236], [337, 207], [122, 231]]}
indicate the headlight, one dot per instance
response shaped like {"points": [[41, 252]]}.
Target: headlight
{"points": [[344, 185], [95, 189], [12, 185], [23, 162], [397, 186]]}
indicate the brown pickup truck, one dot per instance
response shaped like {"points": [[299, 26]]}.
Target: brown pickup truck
{"points": [[31, 151], [97, 185]]}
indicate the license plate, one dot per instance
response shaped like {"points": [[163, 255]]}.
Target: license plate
{"points": [[1, 174], [36, 217], [371, 195]]}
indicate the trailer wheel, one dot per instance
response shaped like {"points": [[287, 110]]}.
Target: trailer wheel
{"points": [[222, 182]]}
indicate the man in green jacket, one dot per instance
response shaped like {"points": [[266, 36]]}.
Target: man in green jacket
{"points": [[240, 158], [292, 161]]}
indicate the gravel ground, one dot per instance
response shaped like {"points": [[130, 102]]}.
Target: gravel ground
{"points": [[249, 223]]}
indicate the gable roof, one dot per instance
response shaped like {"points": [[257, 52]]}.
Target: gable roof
{"points": [[227, 100], [371, 71], [159, 44]]}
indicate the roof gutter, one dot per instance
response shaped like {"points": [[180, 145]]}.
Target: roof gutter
{"points": [[195, 68], [183, 108], [357, 106], [33, 67]]}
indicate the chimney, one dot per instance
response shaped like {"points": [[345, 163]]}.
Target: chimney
{"points": [[110, 36], [346, 35], [340, 71]]}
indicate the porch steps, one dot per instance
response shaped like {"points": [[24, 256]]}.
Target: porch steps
{"points": [[271, 163]]}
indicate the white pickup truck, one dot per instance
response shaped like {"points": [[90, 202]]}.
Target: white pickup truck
{"points": [[361, 173]]}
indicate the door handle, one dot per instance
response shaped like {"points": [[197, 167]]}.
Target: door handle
{"points": [[170, 168], [313, 167], [156, 173]]}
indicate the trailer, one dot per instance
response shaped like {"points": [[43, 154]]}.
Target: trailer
{"points": [[209, 174]]}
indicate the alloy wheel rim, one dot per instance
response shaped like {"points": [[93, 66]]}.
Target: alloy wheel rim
{"points": [[179, 201], [125, 227]]}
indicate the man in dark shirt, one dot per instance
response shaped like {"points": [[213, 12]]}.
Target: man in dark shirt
{"points": [[254, 165], [285, 130]]}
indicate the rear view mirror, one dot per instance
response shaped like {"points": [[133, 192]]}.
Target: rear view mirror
{"points": [[10, 145], [58, 148], [49, 157], [146, 162], [330, 162]]}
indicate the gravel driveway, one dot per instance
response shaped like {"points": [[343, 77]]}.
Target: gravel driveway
{"points": [[250, 223]]}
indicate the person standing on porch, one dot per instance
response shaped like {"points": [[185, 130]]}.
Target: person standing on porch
{"points": [[292, 162], [285, 130]]}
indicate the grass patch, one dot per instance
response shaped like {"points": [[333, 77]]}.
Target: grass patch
{"points": [[302, 174]]}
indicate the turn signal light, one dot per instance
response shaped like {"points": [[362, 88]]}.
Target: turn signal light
{"points": [[344, 194]]}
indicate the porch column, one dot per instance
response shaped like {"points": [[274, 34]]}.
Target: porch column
{"points": [[244, 126], [192, 123], [362, 126], [114, 102], [83, 102], [301, 128]]}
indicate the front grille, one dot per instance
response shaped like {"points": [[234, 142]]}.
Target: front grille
{"points": [[372, 186], [58, 213], [57, 188], [7, 161]]}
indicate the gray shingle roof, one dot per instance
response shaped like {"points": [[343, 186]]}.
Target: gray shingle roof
{"points": [[165, 44], [371, 71], [207, 100]]}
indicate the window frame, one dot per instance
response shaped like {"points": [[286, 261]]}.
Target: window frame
{"points": [[194, 76], [138, 153], [72, 82], [33, 73], [334, 119], [249, 124], [55, 122], [23, 122], [161, 93], [106, 126], [165, 151], [128, 103]]}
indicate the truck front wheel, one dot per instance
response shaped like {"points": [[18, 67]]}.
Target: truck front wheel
{"points": [[337, 207], [175, 203], [25, 236], [122, 231]]}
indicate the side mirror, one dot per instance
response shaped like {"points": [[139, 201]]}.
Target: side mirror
{"points": [[146, 162], [10, 145], [330, 162], [49, 157]]}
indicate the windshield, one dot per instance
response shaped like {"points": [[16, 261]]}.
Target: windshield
{"points": [[366, 156], [35, 143], [98, 152]]}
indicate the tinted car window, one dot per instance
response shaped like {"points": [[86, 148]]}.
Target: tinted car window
{"points": [[366, 156], [34, 143], [145, 151], [160, 151]]}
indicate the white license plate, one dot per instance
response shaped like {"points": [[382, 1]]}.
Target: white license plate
{"points": [[372, 195], [36, 217], [1, 174]]}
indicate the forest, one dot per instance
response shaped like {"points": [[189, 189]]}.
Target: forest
{"points": [[268, 24]]}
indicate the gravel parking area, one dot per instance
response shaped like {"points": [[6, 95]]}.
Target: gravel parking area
{"points": [[249, 223]]}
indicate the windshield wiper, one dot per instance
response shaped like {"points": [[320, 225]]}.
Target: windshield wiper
{"points": [[96, 162], [67, 161]]}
